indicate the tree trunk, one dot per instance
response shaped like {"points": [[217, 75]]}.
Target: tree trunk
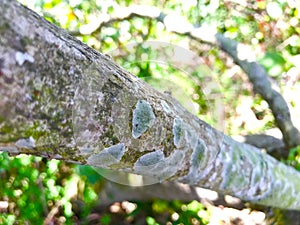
{"points": [[61, 99]]}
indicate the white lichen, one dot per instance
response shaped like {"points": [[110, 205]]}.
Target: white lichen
{"points": [[143, 118], [117, 151], [10, 149], [28, 143], [177, 131], [156, 165], [108, 156], [150, 158], [165, 106], [22, 57]]}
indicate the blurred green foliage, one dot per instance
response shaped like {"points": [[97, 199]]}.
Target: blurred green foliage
{"points": [[294, 158], [39, 191], [34, 188], [274, 63]]}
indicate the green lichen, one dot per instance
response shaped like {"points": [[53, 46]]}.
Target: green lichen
{"points": [[4, 27], [5, 128], [109, 138], [131, 156], [198, 154], [34, 131]]}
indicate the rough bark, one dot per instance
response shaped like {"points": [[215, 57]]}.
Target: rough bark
{"points": [[61, 99]]}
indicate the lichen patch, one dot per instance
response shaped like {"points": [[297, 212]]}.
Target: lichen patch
{"points": [[108, 156], [143, 118]]}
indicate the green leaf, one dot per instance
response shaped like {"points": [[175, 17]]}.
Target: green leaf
{"points": [[273, 63], [105, 219]]}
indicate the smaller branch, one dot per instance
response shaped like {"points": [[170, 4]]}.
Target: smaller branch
{"points": [[50, 217], [262, 85], [42, 188], [134, 11], [165, 191], [274, 147]]}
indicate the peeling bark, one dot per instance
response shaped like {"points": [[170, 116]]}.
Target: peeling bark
{"points": [[61, 99]]}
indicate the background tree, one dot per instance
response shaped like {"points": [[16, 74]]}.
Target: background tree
{"points": [[260, 113]]}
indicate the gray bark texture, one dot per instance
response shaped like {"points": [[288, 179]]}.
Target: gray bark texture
{"points": [[61, 99]]}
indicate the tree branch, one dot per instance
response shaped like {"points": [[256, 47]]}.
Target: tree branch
{"points": [[261, 84], [274, 147], [62, 99], [166, 191]]}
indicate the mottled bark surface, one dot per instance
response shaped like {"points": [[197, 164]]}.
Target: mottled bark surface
{"points": [[61, 99]]}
